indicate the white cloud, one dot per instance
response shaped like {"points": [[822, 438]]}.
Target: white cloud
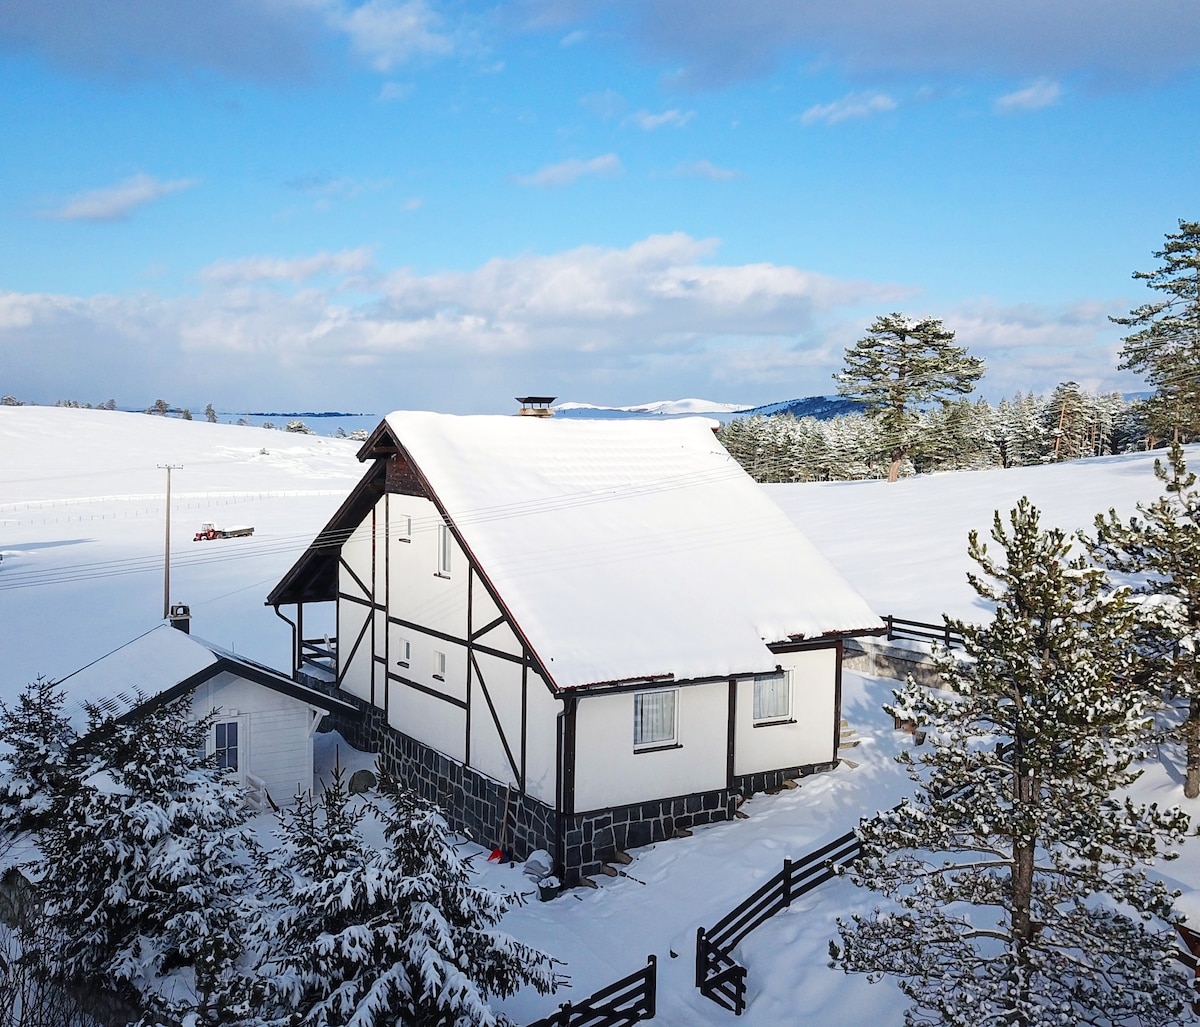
{"points": [[852, 105], [414, 203], [565, 172], [606, 105], [715, 42], [1036, 95], [649, 122], [394, 92], [572, 38], [706, 169], [117, 202], [297, 269], [388, 33], [601, 322]]}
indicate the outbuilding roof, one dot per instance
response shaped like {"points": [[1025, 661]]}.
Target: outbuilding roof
{"points": [[626, 549], [163, 664]]}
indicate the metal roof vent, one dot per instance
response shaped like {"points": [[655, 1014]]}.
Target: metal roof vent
{"points": [[536, 406]]}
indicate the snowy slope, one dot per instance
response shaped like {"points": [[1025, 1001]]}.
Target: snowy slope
{"points": [[81, 530], [903, 545]]}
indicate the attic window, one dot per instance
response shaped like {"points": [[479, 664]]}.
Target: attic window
{"points": [[404, 528], [444, 548], [404, 646], [439, 666], [654, 722]]}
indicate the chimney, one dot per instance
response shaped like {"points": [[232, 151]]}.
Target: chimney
{"points": [[181, 618], [536, 406]]}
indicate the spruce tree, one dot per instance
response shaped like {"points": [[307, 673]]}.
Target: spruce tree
{"points": [[1161, 548], [35, 763], [383, 937], [900, 365], [1015, 875], [146, 866], [1165, 345]]}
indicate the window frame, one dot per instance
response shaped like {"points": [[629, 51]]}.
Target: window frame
{"points": [[405, 647], [444, 550], [774, 716], [439, 665], [221, 752], [659, 742]]}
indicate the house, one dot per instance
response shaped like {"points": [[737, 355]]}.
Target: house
{"points": [[264, 721], [576, 635]]}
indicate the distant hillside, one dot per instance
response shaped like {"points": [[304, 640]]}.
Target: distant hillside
{"points": [[823, 408]]}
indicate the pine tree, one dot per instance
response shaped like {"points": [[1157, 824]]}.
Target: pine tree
{"points": [[210, 415], [35, 763], [1165, 347], [402, 935], [1162, 549], [146, 866], [1015, 873], [900, 365]]}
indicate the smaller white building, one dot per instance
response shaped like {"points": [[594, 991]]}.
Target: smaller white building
{"points": [[263, 722]]}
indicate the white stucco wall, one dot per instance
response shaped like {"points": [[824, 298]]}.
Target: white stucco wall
{"points": [[608, 772], [274, 740], [810, 738]]}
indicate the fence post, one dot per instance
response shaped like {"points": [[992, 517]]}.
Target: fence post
{"points": [[651, 986], [888, 621], [564, 1015], [700, 956], [947, 636], [787, 883]]}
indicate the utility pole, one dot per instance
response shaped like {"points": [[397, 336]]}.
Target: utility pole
{"points": [[167, 552]]}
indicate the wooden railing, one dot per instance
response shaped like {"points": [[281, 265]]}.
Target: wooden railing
{"points": [[627, 1001], [898, 627], [317, 650], [718, 975]]}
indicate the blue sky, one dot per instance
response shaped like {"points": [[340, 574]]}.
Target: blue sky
{"points": [[334, 204]]}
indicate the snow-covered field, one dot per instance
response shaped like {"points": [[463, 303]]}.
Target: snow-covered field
{"points": [[81, 533]]}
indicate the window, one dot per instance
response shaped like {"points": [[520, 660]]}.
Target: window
{"points": [[404, 528], [404, 648], [225, 746], [654, 719], [444, 541], [772, 696], [439, 666]]}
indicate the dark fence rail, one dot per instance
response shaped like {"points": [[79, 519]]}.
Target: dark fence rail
{"points": [[718, 975], [627, 1001], [324, 648], [898, 627]]}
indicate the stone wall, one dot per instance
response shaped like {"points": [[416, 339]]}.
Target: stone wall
{"points": [[886, 659], [473, 804]]}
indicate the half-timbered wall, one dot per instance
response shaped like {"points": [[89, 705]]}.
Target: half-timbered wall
{"points": [[431, 647], [810, 735]]}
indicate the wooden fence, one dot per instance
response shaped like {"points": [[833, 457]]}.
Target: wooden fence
{"points": [[627, 1001], [898, 627], [718, 975]]}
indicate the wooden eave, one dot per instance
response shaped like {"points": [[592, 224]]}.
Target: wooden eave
{"points": [[314, 577], [801, 641]]}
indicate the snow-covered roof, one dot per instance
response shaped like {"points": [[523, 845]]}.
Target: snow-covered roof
{"points": [[162, 659], [628, 549]]}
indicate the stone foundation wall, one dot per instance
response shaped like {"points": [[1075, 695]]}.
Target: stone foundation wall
{"points": [[473, 804], [886, 660], [772, 780], [592, 839]]}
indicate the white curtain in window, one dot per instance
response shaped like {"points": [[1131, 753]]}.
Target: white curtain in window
{"points": [[772, 697], [653, 717]]}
